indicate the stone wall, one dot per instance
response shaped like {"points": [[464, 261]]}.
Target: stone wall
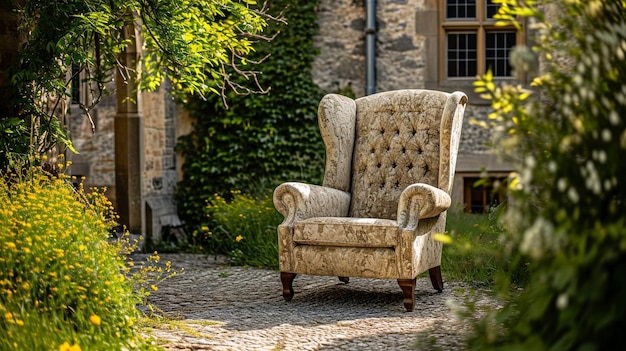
{"points": [[160, 139], [401, 55], [96, 158]]}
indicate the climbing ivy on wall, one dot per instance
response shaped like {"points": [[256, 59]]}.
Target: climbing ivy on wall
{"points": [[260, 140]]}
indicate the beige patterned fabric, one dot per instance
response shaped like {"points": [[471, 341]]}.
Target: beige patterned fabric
{"points": [[390, 160]]}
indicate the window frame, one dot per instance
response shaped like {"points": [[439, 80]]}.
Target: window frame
{"points": [[488, 192], [480, 25]]}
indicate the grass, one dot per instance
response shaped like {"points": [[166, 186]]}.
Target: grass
{"points": [[476, 253]]}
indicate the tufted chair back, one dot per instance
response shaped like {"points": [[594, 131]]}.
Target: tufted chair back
{"points": [[398, 141]]}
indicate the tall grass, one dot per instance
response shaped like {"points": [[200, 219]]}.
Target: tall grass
{"points": [[244, 228], [475, 251]]}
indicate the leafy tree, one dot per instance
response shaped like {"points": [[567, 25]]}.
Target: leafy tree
{"points": [[566, 218], [190, 42]]}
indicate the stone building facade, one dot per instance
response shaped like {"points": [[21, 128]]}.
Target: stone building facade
{"points": [[407, 55], [96, 159]]}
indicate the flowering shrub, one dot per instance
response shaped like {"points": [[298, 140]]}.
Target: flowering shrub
{"points": [[244, 228], [62, 283], [567, 217]]}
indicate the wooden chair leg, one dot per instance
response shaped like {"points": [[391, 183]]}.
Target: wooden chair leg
{"points": [[435, 278], [345, 279], [287, 280], [408, 293]]}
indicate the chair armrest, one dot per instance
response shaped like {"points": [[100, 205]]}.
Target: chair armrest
{"points": [[298, 201], [419, 201]]}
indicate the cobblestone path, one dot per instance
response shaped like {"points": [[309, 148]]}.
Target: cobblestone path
{"points": [[212, 306]]}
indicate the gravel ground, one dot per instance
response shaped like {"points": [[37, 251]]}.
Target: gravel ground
{"points": [[212, 306]]}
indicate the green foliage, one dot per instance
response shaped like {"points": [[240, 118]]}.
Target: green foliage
{"points": [[244, 228], [189, 42], [62, 282], [567, 216], [474, 249], [261, 140], [192, 42]]}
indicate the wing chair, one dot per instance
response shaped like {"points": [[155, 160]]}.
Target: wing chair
{"points": [[390, 161]]}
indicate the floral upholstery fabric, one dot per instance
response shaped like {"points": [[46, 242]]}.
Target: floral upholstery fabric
{"points": [[390, 160]]}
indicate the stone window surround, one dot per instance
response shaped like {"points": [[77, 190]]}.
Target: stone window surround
{"points": [[431, 23]]}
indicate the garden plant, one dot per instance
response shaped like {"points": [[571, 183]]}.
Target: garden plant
{"points": [[65, 281], [565, 220]]}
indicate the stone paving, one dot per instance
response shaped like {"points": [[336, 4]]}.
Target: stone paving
{"points": [[212, 306]]}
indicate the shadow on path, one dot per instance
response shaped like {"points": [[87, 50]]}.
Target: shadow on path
{"points": [[324, 314]]}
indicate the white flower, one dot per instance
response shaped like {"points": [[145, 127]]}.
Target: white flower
{"points": [[614, 117], [562, 301], [552, 166], [573, 195], [537, 237], [530, 161]]}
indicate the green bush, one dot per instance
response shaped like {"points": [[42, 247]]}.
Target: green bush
{"points": [[569, 198], [62, 283], [244, 228], [260, 140]]}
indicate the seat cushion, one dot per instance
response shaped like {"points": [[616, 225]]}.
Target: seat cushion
{"points": [[366, 262], [346, 231]]}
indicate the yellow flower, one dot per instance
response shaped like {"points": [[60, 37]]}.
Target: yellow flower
{"points": [[239, 238], [154, 287], [66, 347], [95, 320], [8, 315]]}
